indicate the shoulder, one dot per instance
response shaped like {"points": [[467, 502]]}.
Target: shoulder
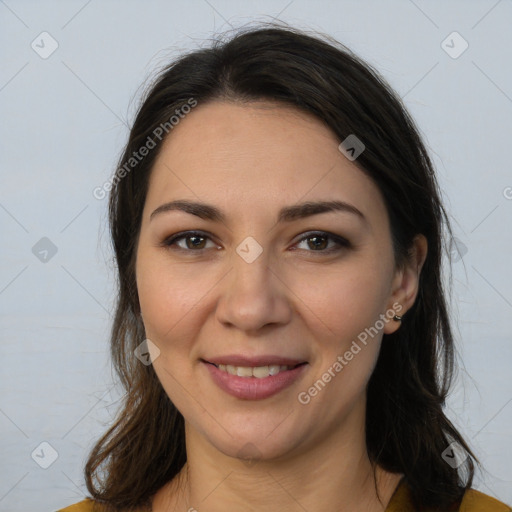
{"points": [[476, 501], [87, 505], [472, 501], [90, 505]]}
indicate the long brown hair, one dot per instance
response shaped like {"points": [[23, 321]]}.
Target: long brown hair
{"points": [[406, 428]]}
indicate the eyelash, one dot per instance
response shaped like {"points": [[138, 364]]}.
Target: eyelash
{"points": [[340, 241]]}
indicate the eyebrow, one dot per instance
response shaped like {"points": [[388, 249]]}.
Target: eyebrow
{"points": [[286, 214]]}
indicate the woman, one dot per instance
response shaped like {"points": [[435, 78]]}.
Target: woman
{"points": [[281, 330]]}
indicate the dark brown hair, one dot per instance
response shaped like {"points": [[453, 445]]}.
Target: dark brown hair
{"points": [[406, 428]]}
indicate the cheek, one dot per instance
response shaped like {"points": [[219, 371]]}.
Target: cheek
{"points": [[168, 299], [345, 304], [346, 300], [344, 307], [168, 296]]}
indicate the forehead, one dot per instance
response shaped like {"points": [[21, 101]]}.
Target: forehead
{"points": [[257, 157], [232, 133]]}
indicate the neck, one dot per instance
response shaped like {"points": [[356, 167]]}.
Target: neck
{"points": [[335, 475]]}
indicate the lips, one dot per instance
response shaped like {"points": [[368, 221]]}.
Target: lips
{"points": [[254, 378]]}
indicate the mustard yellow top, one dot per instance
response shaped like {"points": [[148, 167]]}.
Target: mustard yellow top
{"points": [[473, 501]]}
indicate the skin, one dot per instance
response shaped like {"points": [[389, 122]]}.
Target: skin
{"points": [[294, 300]]}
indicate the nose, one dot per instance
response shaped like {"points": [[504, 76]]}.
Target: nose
{"points": [[253, 295]]}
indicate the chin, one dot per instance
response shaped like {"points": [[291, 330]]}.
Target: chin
{"points": [[254, 438], [254, 449]]}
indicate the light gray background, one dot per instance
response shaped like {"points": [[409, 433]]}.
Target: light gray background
{"points": [[63, 126]]}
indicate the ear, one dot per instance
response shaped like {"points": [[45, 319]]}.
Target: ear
{"points": [[405, 285]]}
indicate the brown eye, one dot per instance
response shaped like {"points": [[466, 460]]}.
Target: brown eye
{"points": [[190, 241], [319, 242], [196, 242]]}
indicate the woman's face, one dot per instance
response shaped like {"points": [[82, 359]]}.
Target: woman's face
{"points": [[263, 282]]}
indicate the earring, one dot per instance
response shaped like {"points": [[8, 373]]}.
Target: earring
{"points": [[397, 318]]}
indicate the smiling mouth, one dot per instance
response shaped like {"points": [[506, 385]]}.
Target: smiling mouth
{"points": [[254, 382], [258, 372]]}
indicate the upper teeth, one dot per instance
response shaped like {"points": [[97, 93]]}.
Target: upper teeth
{"points": [[259, 372]]}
